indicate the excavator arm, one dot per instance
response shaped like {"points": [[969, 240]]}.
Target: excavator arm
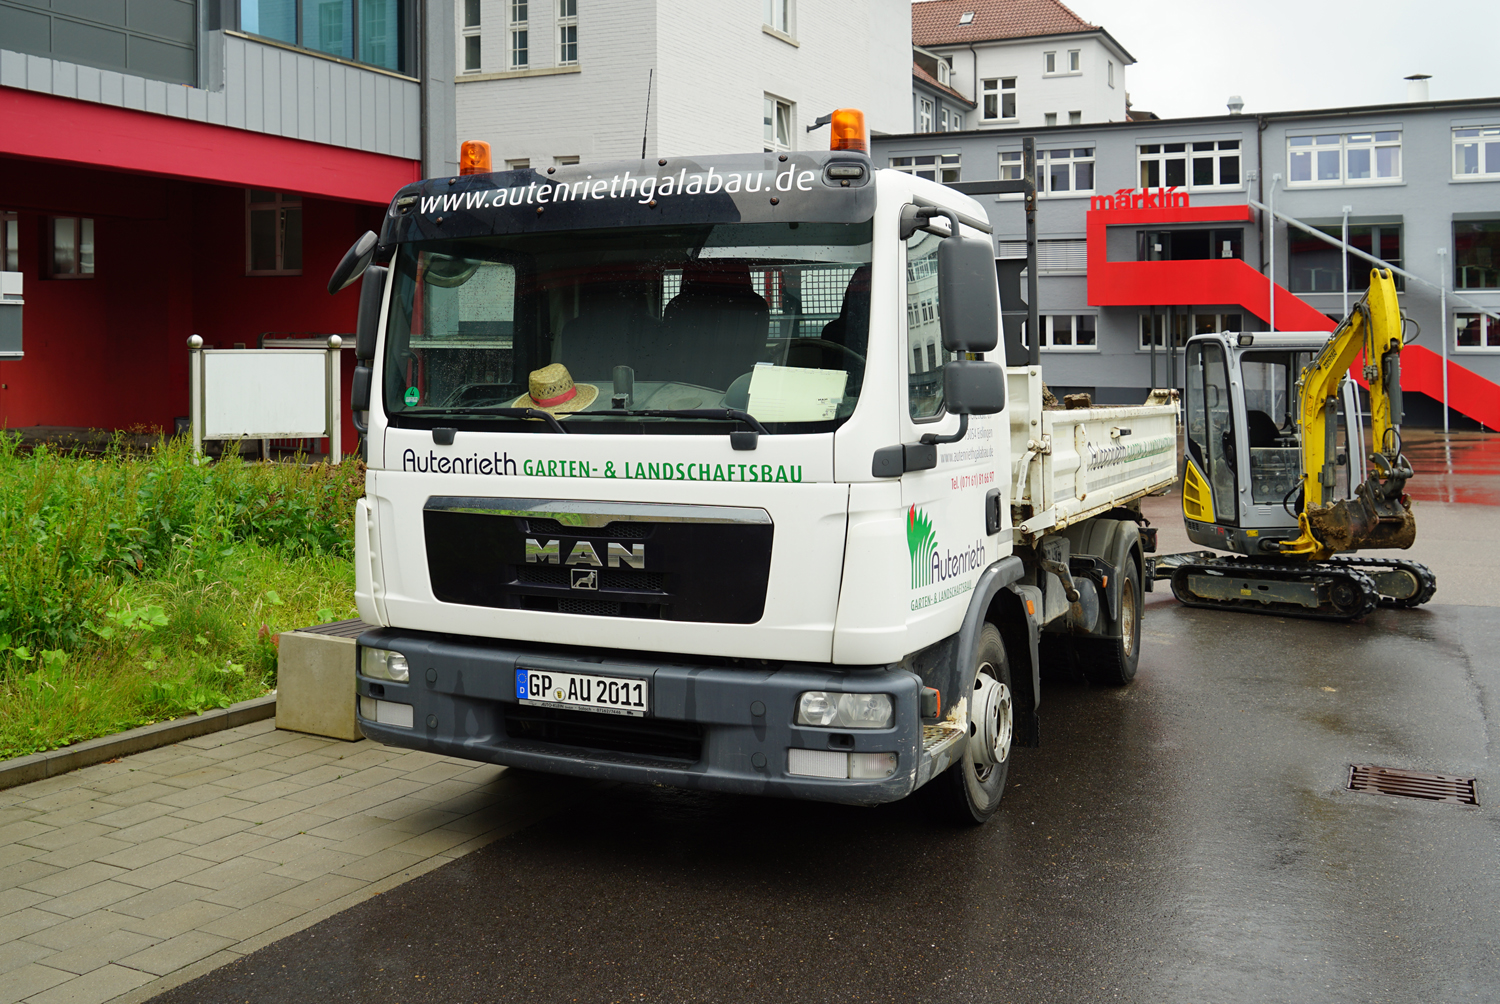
{"points": [[1379, 516]]}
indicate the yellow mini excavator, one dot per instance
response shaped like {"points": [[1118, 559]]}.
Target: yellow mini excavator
{"points": [[1275, 470]]}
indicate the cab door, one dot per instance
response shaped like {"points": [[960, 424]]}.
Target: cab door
{"points": [[945, 506], [1210, 482]]}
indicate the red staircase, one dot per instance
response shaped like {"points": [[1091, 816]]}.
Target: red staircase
{"points": [[1231, 281]]}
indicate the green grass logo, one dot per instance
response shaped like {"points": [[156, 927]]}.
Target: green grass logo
{"points": [[922, 542]]}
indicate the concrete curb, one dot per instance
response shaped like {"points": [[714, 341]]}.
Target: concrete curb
{"points": [[37, 766]]}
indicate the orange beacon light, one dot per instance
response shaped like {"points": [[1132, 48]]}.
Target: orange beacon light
{"points": [[848, 128], [474, 157]]}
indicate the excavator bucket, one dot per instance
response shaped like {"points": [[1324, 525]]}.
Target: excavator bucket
{"points": [[1357, 525], [1379, 516]]}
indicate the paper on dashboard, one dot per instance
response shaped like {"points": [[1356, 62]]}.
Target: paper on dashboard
{"points": [[794, 393]]}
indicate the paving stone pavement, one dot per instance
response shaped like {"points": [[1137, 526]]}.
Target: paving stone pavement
{"points": [[120, 880]]}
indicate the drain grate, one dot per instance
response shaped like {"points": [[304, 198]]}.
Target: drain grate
{"points": [[1412, 784]]}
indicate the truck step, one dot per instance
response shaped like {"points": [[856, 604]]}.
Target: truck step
{"points": [[942, 746]]}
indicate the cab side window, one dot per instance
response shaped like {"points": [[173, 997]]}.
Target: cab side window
{"points": [[924, 354]]}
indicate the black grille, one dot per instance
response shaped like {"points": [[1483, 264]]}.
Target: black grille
{"points": [[609, 578], [694, 571], [661, 738], [620, 529], [595, 608]]}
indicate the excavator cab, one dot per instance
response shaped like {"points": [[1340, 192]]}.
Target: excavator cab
{"points": [[1243, 473]]}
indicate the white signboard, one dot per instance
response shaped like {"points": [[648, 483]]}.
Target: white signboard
{"points": [[264, 394]]}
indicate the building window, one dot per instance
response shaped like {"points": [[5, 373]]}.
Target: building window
{"points": [[1476, 331], [520, 34], [924, 115], [1067, 256], [273, 233], [1184, 326], [1067, 171], [1049, 62], [1476, 254], [364, 31], [471, 36], [564, 161], [1476, 151], [1317, 266], [944, 72], [70, 252], [517, 165], [998, 99], [937, 167], [1189, 245], [10, 244], [1070, 332], [1111, 64], [779, 15], [1050, 119], [1012, 167], [567, 32], [777, 124], [1074, 65], [1194, 166], [1075, 118], [1344, 158]]}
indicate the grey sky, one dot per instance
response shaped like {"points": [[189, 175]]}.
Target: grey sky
{"points": [[1283, 55]]}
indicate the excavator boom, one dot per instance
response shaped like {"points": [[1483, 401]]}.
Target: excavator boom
{"points": [[1379, 516]]}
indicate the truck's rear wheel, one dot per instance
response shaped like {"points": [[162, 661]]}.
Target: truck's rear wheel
{"points": [[971, 789], [1112, 662]]}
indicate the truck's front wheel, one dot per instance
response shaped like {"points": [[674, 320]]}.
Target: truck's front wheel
{"points": [[971, 789]]}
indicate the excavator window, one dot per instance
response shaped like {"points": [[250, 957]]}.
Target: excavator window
{"points": [[1270, 379], [1210, 421]]}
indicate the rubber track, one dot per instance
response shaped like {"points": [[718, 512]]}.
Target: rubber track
{"points": [[1427, 581], [1369, 595]]}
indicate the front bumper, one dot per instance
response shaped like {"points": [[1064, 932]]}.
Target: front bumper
{"points": [[713, 725]]}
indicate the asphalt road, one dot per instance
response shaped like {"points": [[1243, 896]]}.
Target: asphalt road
{"points": [[1185, 839]]}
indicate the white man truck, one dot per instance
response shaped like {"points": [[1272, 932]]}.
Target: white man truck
{"points": [[694, 472]]}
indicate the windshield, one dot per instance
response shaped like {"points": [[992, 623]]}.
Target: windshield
{"points": [[768, 318]]}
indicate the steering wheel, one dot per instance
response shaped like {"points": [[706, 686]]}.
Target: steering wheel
{"points": [[825, 343]]}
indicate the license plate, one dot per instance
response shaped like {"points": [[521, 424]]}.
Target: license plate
{"points": [[610, 695]]}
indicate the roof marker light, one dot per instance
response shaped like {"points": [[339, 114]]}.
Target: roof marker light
{"points": [[474, 157], [848, 128]]}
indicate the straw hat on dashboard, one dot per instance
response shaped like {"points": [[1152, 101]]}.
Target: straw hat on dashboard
{"points": [[552, 389]]}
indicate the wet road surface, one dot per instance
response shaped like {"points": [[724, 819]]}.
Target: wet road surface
{"points": [[1184, 839], [1459, 467]]}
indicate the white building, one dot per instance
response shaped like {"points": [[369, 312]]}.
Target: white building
{"points": [[558, 81], [1024, 62]]}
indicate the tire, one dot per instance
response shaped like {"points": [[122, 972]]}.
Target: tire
{"points": [[1112, 662], [970, 790]]}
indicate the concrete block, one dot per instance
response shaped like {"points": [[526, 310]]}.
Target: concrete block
{"points": [[315, 685]]}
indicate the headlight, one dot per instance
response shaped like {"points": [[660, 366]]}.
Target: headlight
{"points": [[382, 664], [844, 711]]}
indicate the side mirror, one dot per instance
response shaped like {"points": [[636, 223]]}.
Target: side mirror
{"points": [[968, 300], [367, 326], [354, 262], [973, 387]]}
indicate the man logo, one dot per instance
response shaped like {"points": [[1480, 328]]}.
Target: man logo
{"points": [[585, 578]]}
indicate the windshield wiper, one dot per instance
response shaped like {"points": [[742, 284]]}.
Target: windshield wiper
{"points": [[717, 414], [545, 416]]}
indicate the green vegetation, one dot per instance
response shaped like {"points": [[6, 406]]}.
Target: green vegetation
{"points": [[134, 589]]}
